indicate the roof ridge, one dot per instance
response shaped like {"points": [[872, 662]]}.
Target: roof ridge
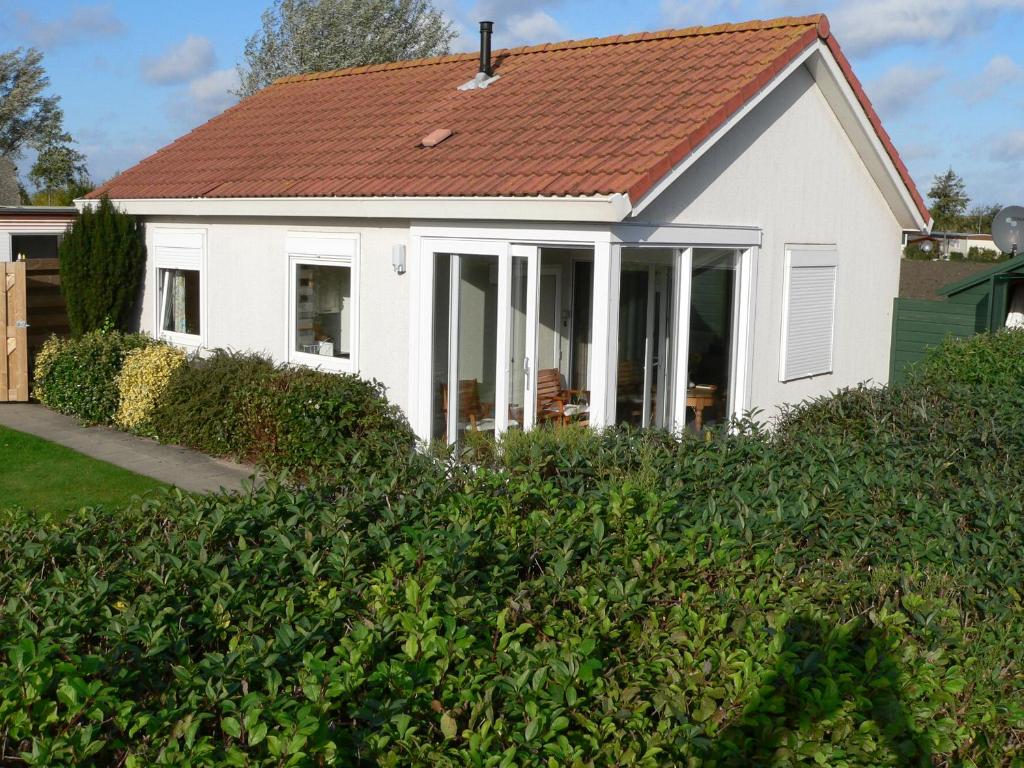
{"points": [[820, 20]]}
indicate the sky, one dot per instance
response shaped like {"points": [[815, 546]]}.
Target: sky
{"points": [[947, 76]]}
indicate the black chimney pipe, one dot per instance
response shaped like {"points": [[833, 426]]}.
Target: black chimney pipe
{"points": [[486, 27]]}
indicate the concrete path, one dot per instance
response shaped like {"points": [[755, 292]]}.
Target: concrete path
{"points": [[187, 469]]}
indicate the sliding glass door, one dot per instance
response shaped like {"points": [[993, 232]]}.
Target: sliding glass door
{"points": [[644, 369], [484, 315]]}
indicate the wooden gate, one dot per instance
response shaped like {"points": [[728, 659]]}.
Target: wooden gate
{"points": [[14, 322]]}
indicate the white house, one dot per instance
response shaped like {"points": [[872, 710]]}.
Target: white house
{"points": [[679, 225]]}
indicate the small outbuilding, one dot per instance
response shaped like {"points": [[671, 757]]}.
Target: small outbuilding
{"points": [[985, 301], [33, 231]]}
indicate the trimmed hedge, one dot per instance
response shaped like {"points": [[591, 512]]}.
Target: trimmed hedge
{"points": [[846, 591], [79, 376], [294, 420], [141, 383], [287, 419]]}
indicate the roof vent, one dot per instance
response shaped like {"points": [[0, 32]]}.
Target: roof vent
{"points": [[435, 137], [486, 74]]}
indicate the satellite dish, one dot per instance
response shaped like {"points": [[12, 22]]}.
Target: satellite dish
{"points": [[1008, 230]]}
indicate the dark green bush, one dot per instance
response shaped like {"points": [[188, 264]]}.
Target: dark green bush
{"points": [[321, 420], [917, 253], [78, 376], [102, 260], [296, 420], [975, 253], [845, 590], [209, 404]]}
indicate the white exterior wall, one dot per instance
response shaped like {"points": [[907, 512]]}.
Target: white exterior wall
{"points": [[247, 290], [790, 169]]}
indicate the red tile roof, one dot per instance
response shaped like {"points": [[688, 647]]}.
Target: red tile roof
{"points": [[587, 117]]}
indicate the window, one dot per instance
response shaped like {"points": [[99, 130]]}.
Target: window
{"points": [[35, 246], [179, 301], [323, 315], [179, 257], [809, 311]]}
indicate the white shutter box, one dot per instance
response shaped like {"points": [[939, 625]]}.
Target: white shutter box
{"points": [[809, 319]]}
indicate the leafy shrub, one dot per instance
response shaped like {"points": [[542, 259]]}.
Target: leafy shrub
{"points": [[915, 252], [992, 363], [203, 404], [976, 253], [957, 256], [79, 376], [297, 420], [843, 590], [102, 260], [142, 381], [323, 419]]}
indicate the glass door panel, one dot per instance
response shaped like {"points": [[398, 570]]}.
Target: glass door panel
{"points": [[644, 374], [633, 336], [712, 353], [476, 351], [440, 332], [661, 364], [520, 364]]}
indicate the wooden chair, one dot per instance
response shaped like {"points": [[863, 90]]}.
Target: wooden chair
{"points": [[557, 405], [629, 391], [473, 415]]}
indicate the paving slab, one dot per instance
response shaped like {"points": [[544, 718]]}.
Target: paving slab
{"points": [[171, 464]]}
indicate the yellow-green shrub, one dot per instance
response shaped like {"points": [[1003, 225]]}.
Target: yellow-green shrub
{"points": [[141, 382], [45, 358]]}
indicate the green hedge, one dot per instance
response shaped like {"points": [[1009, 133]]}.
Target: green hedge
{"points": [[292, 419], [243, 406], [79, 376], [845, 590]]}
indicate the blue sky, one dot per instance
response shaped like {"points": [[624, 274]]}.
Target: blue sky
{"points": [[946, 75]]}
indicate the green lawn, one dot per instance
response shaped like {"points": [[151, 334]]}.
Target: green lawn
{"points": [[43, 477]]}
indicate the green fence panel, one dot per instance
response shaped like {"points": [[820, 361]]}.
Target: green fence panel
{"points": [[918, 324]]}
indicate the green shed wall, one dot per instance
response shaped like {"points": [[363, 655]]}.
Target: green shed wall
{"points": [[918, 325]]}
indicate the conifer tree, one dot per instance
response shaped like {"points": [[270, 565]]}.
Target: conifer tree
{"points": [[102, 259]]}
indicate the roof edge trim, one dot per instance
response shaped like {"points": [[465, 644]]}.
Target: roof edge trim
{"points": [[983, 276], [598, 208]]}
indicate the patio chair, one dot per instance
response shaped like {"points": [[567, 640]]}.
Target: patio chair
{"points": [[474, 416], [558, 405]]}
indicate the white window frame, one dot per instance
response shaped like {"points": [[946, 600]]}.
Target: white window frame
{"points": [[803, 256], [324, 249], [175, 248]]}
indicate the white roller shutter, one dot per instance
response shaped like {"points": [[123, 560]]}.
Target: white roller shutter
{"points": [[809, 311]]}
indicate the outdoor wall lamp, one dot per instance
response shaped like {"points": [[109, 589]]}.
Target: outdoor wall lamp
{"points": [[398, 258]]}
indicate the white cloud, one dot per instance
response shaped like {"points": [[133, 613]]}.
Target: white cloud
{"points": [[516, 22], [1000, 72], [536, 27], [190, 58], [85, 23], [1008, 148], [901, 87], [212, 93], [683, 13], [867, 25]]}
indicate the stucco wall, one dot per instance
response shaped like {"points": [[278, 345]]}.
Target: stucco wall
{"points": [[247, 291], [789, 168]]}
